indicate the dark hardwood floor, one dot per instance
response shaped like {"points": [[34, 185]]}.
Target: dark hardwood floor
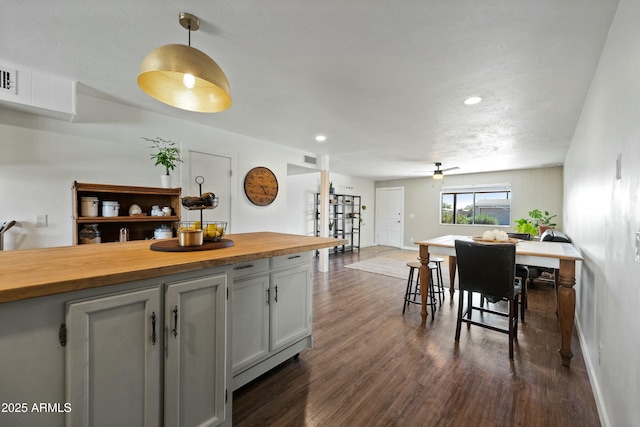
{"points": [[373, 366]]}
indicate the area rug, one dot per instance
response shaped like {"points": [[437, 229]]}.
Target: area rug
{"points": [[393, 264]]}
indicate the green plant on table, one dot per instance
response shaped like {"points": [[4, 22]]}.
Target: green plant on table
{"points": [[540, 218], [523, 225]]}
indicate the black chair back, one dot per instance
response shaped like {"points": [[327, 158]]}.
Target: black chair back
{"points": [[486, 268], [521, 236]]}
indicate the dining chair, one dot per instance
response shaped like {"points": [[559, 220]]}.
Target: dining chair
{"points": [[523, 272], [488, 269]]}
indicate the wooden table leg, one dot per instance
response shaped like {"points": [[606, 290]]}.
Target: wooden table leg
{"points": [[566, 307], [424, 280], [452, 275]]}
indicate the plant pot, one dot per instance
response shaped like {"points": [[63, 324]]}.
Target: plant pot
{"points": [[543, 228], [166, 181]]}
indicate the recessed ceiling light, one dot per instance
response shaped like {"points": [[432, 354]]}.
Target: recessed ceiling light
{"points": [[321, 138], [472, 100]]}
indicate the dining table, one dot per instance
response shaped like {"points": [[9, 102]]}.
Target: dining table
{"points": [[557, 255]]}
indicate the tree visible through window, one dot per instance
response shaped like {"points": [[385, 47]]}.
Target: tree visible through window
{"points": [[467, 206]]}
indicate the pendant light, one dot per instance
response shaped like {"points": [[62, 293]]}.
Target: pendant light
{"points": [[185, 77]]}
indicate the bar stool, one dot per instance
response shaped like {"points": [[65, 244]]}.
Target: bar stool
{"points": [[440, 291], [412, 293]]}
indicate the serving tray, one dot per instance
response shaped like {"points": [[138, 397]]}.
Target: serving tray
{"points": [[172, 245], [509, 240]]}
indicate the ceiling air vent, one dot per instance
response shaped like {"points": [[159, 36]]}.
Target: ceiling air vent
{"points": [[7, 81], [310, 160]]}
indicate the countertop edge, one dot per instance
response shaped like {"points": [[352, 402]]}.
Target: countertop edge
{"points": [[37, 288]]}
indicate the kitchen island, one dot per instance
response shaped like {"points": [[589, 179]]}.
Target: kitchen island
{"points": [[117, 334]]}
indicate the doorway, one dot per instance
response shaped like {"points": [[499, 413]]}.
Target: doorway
{"points": [[216, 171], [390, 216]]}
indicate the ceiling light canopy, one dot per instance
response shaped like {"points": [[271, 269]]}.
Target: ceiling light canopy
{"points": [[438, 173], [185, 77]]}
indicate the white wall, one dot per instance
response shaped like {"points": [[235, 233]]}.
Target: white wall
{"points": [[530, 189], [302, 191], [41, 157], [602, 215]]}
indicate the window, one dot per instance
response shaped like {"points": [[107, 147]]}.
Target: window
{"points": [[476, 205]]}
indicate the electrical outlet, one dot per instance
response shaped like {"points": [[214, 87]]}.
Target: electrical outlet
{"points": [[41, 220], [599, 352]]}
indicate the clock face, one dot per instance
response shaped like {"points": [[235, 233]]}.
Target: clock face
{"points": [[261, 186]]}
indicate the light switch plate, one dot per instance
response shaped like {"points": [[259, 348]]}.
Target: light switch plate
{"points": [[638, 246], [41, 220]]}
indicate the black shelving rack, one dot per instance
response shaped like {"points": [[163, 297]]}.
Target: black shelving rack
{"points": [[345, 220]]}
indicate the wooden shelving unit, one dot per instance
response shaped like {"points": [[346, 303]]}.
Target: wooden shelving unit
{"points": [[140, 227]]}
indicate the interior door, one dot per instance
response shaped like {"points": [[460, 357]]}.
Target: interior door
{"points": [[389, 216], [216, 171]]}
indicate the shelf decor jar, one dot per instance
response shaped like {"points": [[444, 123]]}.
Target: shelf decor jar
{"points": [[90, 234], [167, 155]]}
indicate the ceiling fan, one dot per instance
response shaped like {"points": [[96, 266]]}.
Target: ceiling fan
{"points": [[438, 173]]}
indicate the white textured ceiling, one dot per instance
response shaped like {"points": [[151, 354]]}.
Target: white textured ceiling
{"points": [[383, 80]]}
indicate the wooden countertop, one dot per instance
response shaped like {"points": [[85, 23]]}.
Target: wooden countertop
{"points": [[38, 272]]}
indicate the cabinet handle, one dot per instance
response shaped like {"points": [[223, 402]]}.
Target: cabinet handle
{"points": [[175, 321], [268, 296], [276, 298], [294, 257], [242, 267], [153, 328]]}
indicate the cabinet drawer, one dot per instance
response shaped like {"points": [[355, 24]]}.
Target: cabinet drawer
{"points": [[250, 267], [291, 259]]}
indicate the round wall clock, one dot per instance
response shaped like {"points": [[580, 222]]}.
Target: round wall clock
{"points": [[261, 186]]}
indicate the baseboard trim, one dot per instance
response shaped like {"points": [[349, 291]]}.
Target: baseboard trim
{"points": [[593, 379]]}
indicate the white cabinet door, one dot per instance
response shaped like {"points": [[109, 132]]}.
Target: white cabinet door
{"points": [[290, 306], [113, 360], [195, 373], [250, 321]]}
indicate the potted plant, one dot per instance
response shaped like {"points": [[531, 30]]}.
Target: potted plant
{"points": [[523, 225], [361, 221], [357, 214], [542, 220], [167, 155], [536, 224]]}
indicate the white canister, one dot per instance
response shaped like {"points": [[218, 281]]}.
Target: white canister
{"points": [[110, 208], [163, 232], [88, 206]]}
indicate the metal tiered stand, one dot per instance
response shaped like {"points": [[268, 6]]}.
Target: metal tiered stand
{"points": [[213, 230]]}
